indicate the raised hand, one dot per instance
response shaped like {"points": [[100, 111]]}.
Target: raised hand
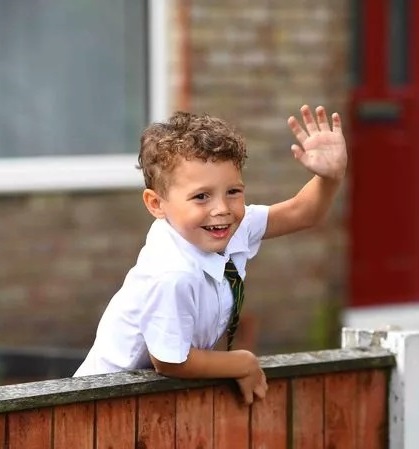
{"points": [[323, 148]]}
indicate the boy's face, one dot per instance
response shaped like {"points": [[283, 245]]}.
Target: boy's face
{"points": [[205, 202]]}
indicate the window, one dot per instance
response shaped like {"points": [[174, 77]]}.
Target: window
{"points": [[75, 82], [398, 61]]}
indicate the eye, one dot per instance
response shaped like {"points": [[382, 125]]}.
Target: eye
{"points": [[235, 191], [200, 197]]}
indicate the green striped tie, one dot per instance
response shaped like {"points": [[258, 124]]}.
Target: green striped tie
{"points": [[237, 287]]}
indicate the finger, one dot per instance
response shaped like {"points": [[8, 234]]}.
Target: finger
{"points": [[248, 397], [265, 383], [247, 392], [262, 387], [322, 120], [336, 123], [297, 151], [299, 133], [308, 119], [260, 391]]}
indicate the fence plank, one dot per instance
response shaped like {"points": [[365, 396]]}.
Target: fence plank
{"points": [[372, 426], [269, 418], [194, 419], [74, 426], [340, 410], [115, 423], [30, 429], [2, 431], [231, 420], [157, 420], [308, 412]]}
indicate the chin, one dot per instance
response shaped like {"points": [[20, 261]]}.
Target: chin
{"points": [[217, 248], [214, 246]]}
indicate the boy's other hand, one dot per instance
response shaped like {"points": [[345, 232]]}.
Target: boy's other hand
{"points": [[254, 383], [323, 148]]}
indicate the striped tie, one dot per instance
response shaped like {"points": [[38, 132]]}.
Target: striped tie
{"points": [[237, 287]]}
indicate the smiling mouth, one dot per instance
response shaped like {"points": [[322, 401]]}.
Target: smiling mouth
{"points": [[216, 227]]}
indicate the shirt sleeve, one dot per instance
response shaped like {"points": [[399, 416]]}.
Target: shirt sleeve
{"points": [[169, 316], [256, 221]]}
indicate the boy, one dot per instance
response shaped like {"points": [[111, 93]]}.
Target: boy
{"points": [[176, 302]]}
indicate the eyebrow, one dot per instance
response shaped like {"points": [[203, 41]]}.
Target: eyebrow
{"points": [[208, 188]]}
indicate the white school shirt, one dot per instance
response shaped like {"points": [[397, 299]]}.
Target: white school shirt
{"points": [[174, 298]]}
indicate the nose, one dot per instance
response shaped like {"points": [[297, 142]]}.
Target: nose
{"points": [[220, 207]]}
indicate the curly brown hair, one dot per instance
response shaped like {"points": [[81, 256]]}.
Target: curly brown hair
{"points": [[186, 136]]}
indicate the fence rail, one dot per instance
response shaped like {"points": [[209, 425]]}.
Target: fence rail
{"points": [[335, 398]]}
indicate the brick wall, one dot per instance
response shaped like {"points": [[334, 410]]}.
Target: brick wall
{"points": [[62, 256], [254, 63]]}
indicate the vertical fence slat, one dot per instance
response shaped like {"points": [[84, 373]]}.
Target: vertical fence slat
{"points": [[30, 429], [115, 423], [194, 419], [2, 430], [231, 420], [307, 412], [157, 420], [269, 418], [372, 409], [340, 410], [74, 426]]}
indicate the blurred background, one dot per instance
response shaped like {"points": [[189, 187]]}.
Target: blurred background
{"points": [[80, 80]]}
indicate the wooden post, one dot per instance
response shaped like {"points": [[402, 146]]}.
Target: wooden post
{"points": [[404, 383]]}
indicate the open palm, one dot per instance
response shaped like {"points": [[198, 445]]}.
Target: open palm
{"points": [[323, 148]]}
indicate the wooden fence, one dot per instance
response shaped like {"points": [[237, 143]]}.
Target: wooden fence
{"points": [[335, 399]]}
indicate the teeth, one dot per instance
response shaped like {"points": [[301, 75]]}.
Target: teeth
{"points": [[211, 228]]}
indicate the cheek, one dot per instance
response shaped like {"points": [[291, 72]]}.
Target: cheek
{"points": [[239, 210], [193, 216]]}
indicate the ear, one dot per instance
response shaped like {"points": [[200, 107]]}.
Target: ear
{"points": [[152, 201]]}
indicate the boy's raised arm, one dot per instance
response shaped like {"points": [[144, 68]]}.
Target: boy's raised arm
{"points": [[322, 150]]}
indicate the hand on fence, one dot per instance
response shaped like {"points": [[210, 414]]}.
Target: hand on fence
{"points": [[253, 385]]}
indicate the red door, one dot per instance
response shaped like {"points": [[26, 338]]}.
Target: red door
{"points": [[384, 153]]}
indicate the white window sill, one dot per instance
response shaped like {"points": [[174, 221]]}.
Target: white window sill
{"points": [[43, 174], [404, 316]]}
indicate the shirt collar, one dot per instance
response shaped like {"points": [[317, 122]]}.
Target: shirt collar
{"points": [[212, 263]]}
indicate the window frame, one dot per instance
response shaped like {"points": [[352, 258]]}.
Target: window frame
{"points": [[96, 172]]}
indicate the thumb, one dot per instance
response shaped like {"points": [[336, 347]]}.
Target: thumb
{"points": [[297, 151]]}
